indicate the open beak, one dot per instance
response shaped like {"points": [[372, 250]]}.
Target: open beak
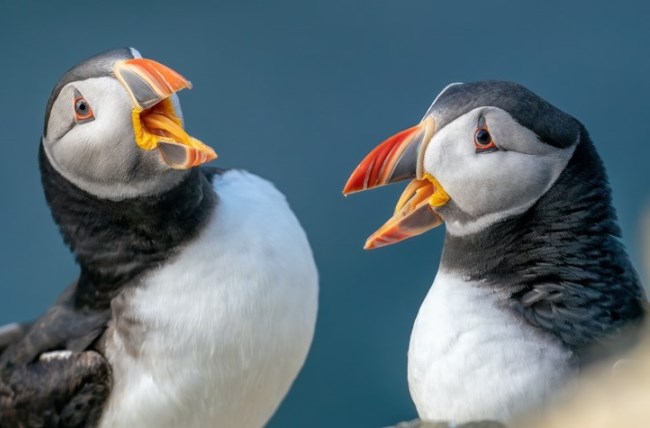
{"points": [[155, 122], [399, 158]]}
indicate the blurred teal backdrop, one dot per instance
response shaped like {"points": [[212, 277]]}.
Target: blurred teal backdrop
{"points": [[299, 92]]}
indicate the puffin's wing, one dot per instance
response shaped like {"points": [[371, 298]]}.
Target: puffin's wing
{"points": [[11, 333], [63, 327], [48, 375], [61, 389]]}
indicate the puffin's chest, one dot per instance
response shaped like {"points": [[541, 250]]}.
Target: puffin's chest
{"points": [[471, 360], [216, 336]]}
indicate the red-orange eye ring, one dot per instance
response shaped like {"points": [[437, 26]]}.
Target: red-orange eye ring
{"points": [[483, 141], [82, 110]]}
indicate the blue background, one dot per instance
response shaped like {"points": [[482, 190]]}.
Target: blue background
{"points": [[299, 92]]}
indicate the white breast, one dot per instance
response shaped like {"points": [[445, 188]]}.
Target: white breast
{"points": [[471, 360], [216, 338]]}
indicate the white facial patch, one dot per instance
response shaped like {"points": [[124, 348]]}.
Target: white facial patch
{"points": [[61, 118], [84, 154], [110, 109], [493, 185], [99, 156]]}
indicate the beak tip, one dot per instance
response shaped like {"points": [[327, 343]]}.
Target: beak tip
{"points": [[371, 244], [347, 191], [353, 185]]}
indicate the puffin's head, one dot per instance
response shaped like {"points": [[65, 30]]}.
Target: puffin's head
{"points": [[483, 152], [114, 127]]}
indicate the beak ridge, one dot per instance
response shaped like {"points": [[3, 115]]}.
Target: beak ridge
{"points": [[148, 82]]}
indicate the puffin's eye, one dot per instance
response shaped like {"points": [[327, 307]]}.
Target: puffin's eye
{"points": [[483, 141], [483, 137], [82, 111]]}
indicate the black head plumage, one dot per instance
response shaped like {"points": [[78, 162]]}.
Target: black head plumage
{"points": [[551, 125]]}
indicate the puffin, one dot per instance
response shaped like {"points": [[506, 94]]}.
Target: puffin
{"points": [[534, 284], [197, 296]]}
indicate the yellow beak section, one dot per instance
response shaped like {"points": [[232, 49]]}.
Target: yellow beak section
{"points": [[155, 122], [413, 214]]}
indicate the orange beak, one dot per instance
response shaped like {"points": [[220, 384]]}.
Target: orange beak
{"points": [[399, 158], [156, 124]]}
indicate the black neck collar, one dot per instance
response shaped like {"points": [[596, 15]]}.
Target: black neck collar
{"points": [[116, 241], [560, 265]]}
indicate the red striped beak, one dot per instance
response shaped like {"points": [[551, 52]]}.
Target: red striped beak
{"points": [[399, 158], [394, 160]]}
